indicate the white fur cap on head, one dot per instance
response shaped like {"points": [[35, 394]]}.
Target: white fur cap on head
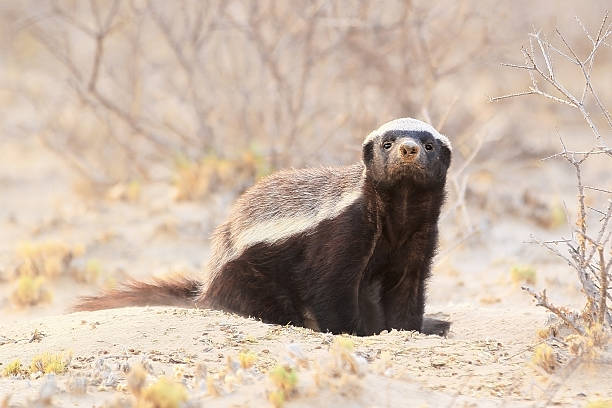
{"points": [[408, 124]]}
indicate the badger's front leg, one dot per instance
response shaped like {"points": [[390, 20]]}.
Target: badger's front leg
{"points": [[404, 302], [371, 311], [337, 310], [336, 257], [334, 298], [405, 306]]}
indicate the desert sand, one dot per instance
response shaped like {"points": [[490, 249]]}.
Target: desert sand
{"points": [[128, 128]]}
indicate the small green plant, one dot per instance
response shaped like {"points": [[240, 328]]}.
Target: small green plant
{"points": [[285, 380]]}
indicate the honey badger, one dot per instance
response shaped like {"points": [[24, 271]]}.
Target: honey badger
{"points": [[344, 250]]}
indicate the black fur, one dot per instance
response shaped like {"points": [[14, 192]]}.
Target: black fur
{"points": [[361, 271]]}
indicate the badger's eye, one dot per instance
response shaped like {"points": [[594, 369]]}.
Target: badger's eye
{"points": [[387, 145], [428, 146]]}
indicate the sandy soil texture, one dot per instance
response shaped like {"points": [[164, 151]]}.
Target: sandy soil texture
{"points": [[481, 363]]}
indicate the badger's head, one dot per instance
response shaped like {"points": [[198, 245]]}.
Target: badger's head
{"points": [[406, 151]]}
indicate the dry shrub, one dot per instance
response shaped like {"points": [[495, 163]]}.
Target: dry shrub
{"points": [[295, 82], [43, 262], [30, 291], [49, 259], [196, 180], [588, 248]]}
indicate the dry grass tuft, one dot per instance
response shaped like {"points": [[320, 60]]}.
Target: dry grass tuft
{"points": [[545, 357], [195, 180], [136, 378], [31, 291], [41, 262], [247, 359], [164, 393], [47, 363], [50, 259], [13, 368]]}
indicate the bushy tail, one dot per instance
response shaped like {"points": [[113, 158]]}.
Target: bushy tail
{"points": [[179, 291]]}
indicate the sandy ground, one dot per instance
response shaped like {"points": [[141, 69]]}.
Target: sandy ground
{"points": [[485, 361]]}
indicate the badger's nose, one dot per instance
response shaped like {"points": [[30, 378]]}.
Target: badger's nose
{"points": [[409, 149]]}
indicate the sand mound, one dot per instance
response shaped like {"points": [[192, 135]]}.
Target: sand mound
{"points": [[483, 359]]}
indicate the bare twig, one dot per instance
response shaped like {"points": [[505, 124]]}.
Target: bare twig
{"points": [[603, 283], [542, 300], [603, 190], [513, 95]]}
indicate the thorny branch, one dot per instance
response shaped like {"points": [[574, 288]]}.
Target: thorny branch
{"points": [[582, 249], [542, 300], [586, 66]]}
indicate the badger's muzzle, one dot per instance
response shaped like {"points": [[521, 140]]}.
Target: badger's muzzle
{"points": [[409, 150]]}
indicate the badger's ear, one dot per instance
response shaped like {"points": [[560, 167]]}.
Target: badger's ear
{"points": [[368, 152], [445, 155]]}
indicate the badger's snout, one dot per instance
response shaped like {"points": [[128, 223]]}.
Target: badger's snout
{"points": [[409, 149]]}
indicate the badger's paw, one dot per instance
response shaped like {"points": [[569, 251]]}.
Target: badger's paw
{"points": [[435, 326]]}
